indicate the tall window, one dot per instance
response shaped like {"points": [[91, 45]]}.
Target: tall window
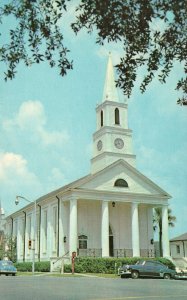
{"points": [[55, 228], [117, 116], [15, 229], [22, 236], [45, 230], [29, 230], [37, 232], [178, 249], [101, 118], [83, 241], [29, 227]]}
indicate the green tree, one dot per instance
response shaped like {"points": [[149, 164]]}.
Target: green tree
{"points": [[8, 248], [153, 34], [2, 244], [157, 223]]}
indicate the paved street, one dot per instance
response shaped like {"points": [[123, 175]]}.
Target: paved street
{"points": [[87, 288]]}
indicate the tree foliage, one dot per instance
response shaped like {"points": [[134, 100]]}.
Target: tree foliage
{"points": [[8, 248], [157, 223], [36, 37], [152, 32]]}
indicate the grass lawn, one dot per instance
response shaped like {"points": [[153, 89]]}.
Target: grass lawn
{"points": [[103, 275], [28, 273], [67, 274]]}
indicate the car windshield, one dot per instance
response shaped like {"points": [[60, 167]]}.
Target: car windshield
{"points": [[140, 262], [6, 263]]}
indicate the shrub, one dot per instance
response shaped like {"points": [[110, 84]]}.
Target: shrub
{"points": [[42, 266], [67, 268], [90, 265], [166, 262], [24, 266], [110, 265]]}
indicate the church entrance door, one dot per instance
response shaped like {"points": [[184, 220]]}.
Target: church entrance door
{"points": [[111, 242]]}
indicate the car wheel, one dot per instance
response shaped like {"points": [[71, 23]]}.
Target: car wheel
{"points": [[167, 276], [134, 274]]}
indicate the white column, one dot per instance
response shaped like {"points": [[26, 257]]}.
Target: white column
{"points": [[165, 238], [49, 232], [19, 241], [73, 226], [135, 230], [105, 229], [61, 231]]}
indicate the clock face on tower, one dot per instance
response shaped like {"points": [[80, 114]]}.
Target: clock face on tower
{"points": [[99, 145], [119, 143]]}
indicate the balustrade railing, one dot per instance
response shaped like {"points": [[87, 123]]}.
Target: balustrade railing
{"points": [[117, 252], [122, 252], [89, 252]]}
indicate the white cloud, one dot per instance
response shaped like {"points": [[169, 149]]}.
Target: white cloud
{"points": [[14, 171], [31, 114], [16, 179], [31, 119]]}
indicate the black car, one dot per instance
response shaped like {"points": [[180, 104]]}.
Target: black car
{"points": [[147, 268]]}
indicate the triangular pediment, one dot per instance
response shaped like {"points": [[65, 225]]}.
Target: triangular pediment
{"points": [[105, 179]]}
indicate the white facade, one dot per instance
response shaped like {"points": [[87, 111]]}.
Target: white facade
{"points": [[106, 213], [178, 246]]}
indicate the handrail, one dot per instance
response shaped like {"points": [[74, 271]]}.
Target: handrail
{"points": [[60, 257]]}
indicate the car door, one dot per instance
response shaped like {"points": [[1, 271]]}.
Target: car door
{"points": [[148, 269], [158, 268]]}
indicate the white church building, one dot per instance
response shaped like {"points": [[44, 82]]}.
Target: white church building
{"points": [[109, 212]]}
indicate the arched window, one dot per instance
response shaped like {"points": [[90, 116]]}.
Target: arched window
{"points": [[117, 116], [121, 183], [101, 118]]}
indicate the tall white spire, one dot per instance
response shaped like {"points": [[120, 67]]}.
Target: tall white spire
{"points": [[110, 91]]}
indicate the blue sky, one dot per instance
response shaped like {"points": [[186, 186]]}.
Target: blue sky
{"points": [[47, 122]]}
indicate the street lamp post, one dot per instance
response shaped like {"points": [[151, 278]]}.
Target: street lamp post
{"points": [[34, 234]]}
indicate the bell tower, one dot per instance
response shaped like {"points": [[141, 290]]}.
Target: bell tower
{"points": [[113, 139]]}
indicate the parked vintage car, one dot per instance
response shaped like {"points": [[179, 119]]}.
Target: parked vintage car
{"points": [[7, 267], [149, 268]]}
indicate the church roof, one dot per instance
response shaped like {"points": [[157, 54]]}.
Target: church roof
{"points": [[83, 183], [182, 237], [138, 177], [110, 92]]}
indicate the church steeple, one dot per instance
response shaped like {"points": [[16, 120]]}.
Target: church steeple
{"points": [[112, 139], [110, 92]]}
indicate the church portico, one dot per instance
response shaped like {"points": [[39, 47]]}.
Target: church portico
{"points": [[113, 228]]}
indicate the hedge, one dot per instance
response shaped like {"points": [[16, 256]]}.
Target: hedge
{"points": [[110, 265], [90, 265], [40, 266]]}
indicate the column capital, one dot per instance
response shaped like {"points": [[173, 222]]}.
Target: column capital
{"points": [[165, 205], [135, 202]]}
